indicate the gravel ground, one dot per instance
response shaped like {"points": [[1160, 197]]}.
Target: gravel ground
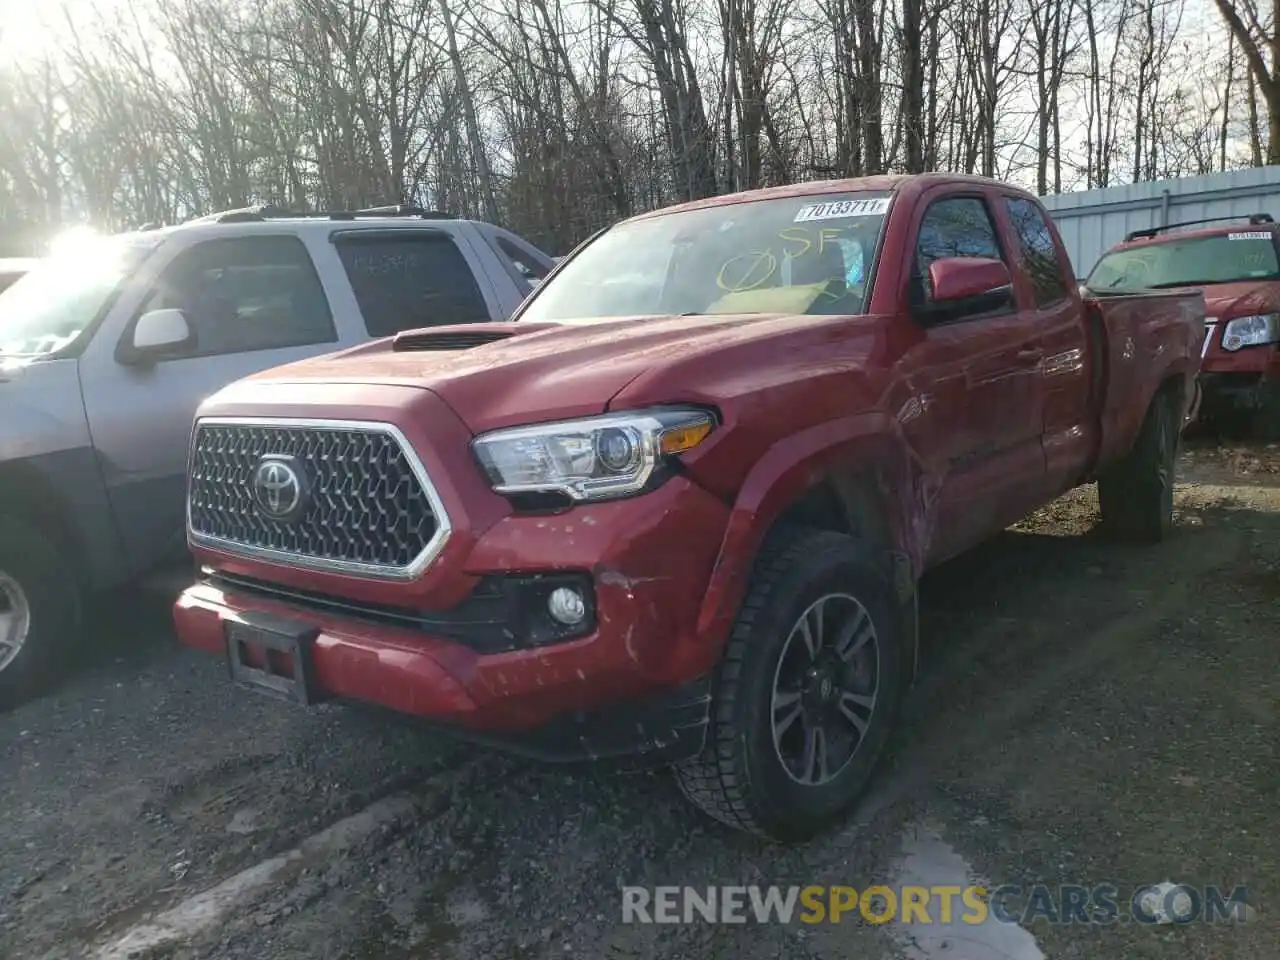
{"points": [[1087, 715]]}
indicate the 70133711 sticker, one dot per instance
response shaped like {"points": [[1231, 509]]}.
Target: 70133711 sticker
{"points": [[837, 209], [1251, 235]]}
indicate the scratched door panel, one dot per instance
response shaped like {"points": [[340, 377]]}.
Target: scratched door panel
{"points": [[982, 420], [1001, 473]]}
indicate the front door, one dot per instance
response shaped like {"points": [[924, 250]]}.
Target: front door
{"points": [[253, 303], [978, 380]]}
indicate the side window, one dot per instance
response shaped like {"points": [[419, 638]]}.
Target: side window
{"points": [[246, 294], [955, 227], [410, 281], [533, 270], [1040, 256], [854, 262]]}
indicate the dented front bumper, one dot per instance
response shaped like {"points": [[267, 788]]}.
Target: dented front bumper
{"points": [[632, 684]]}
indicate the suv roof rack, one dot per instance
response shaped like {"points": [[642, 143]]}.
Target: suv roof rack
{"points": [[1254, 219], [263, 212]]}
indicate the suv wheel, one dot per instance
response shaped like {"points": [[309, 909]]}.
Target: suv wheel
{"points": [[39, 608], [806, 693], [1135, 495]]}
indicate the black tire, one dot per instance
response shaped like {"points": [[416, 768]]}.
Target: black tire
{"points": [[1136, 494], [740, 778], [34, 575]]}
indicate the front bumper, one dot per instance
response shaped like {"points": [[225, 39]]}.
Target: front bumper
{"points": [[1225, 391], [632, 686], [1237, 380]]}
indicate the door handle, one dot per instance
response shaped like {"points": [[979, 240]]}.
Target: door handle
{"points": [[1029, 355]]}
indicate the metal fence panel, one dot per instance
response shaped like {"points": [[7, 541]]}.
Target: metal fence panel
{"points": [[1091, 221]]}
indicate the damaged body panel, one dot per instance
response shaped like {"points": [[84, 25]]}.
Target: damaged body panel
{"points": [[599, 529]]}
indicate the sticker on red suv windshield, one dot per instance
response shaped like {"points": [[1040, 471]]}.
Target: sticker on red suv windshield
{"points": [[835, 209], [1255, 235]]}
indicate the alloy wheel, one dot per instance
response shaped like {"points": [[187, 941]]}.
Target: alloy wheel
{"points": [[825, 689]]}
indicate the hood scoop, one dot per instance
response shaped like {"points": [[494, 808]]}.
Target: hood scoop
{"points": [[412, 340]]}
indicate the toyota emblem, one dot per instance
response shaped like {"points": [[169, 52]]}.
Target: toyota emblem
{"points": [[280, 488]]}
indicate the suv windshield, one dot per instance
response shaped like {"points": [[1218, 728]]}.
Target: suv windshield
{"points": [[52, 305], [1194, 261], [802, 255]]}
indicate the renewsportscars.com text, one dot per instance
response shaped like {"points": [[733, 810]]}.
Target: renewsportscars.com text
{"points": [[1099, 904]]}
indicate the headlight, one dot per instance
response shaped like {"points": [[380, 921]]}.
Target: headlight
{"points": [[1251, 331], [593, 459]]}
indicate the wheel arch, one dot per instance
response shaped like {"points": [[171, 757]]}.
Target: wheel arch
{"points": [[857, 478], [27, 495], [59, 496]]}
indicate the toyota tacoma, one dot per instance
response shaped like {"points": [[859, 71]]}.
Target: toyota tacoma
{"points": [[675, 510]]}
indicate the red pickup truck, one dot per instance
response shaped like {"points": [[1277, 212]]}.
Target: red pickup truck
{"points": [[1237, 264], [675, 511]]}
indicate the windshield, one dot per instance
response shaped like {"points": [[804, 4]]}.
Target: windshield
{"points": [[1194, 261], [805, 255], [52, 305]]}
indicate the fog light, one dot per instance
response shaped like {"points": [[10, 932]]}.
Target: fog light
{"points": [[567, 606]]}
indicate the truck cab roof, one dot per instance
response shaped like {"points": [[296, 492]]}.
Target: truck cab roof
{"points": [[888, 183]]}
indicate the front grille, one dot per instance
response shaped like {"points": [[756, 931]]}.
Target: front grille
{"points": [[367, 509]]}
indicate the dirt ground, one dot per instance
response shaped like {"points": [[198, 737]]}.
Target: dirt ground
{"points": [[1087, 715]]}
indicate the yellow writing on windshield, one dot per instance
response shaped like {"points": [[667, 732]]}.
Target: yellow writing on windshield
{"points": [[751, 271], [747, 271]]}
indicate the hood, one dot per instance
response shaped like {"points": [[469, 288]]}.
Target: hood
{"points": [[1227, 300], [503, 374], [11, 367]]}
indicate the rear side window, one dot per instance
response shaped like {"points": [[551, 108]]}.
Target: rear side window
{"points": [[955, 227], [1039, 254], [407, 282]]}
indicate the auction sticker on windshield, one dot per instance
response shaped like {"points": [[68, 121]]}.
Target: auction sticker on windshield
{"points": [[836, 209], [1257, 235]]}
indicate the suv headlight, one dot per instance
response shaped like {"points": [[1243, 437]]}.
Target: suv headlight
{"points": [[1251, 331], [598, 458]]}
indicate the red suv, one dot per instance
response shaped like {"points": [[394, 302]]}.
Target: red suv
{"points": [[1238, 267]]}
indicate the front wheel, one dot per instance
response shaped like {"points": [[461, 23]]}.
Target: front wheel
{"points": [[39, 608], [806, 693], [1135, 495]]}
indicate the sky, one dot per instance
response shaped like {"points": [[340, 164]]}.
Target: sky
{"points": [[28, 28]]}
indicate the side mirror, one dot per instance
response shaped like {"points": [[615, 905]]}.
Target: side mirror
{"points": [[958, 279], [158, 334]]}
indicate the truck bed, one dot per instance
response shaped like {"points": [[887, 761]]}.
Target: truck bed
{"points": [[1134, 339]]}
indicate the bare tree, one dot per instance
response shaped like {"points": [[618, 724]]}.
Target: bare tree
{"points": [[556, 117]]}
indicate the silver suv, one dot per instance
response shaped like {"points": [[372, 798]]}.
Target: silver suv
{"points": [[108, 347]]}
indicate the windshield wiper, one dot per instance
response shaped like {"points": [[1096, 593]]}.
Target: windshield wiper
{"points": [[1186, 283]]}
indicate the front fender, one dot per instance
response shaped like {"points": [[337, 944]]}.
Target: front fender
{"points": [[867, 447]]}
